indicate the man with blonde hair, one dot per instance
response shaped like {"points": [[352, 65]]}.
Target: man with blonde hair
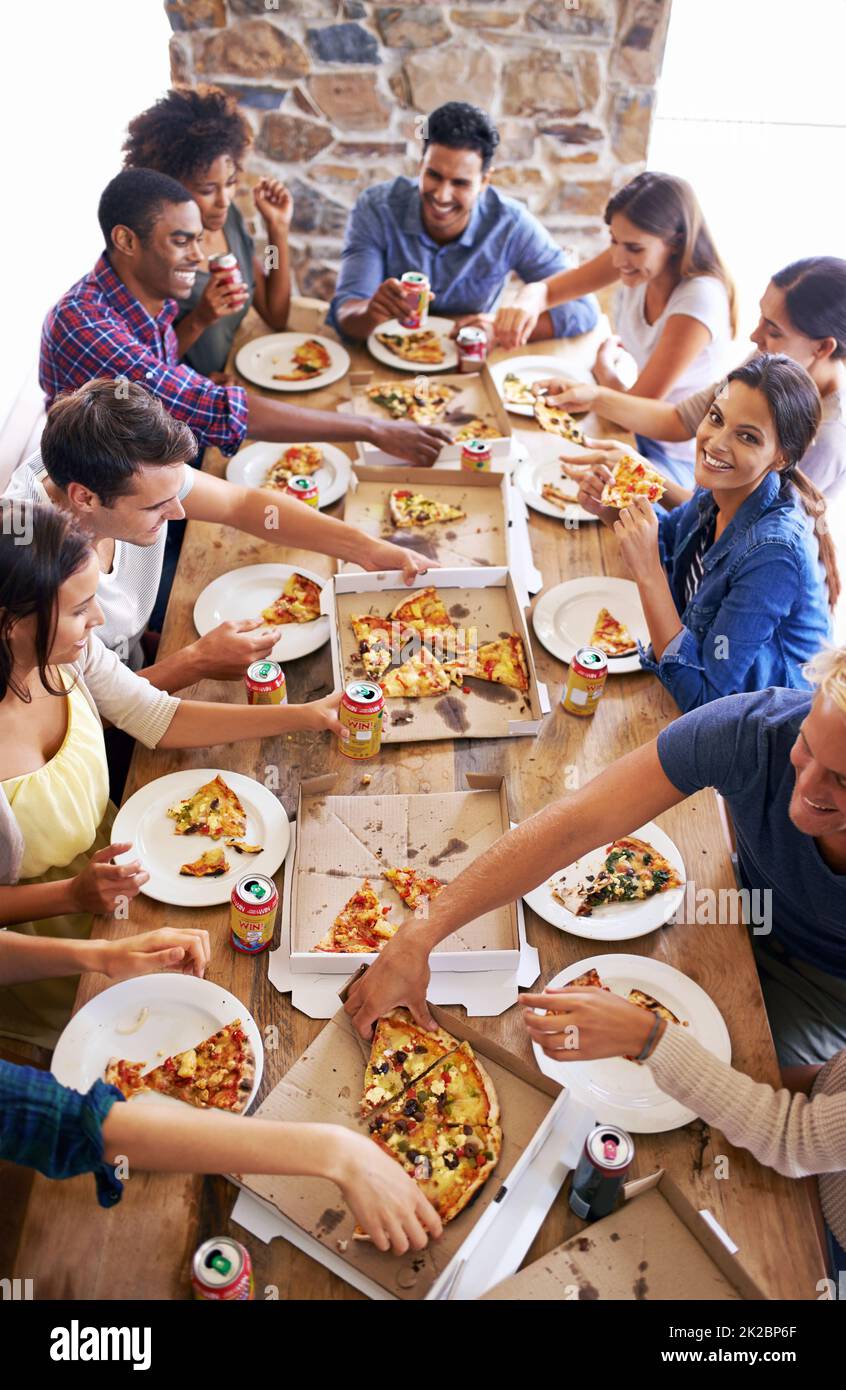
{"points": [[778, 757]]}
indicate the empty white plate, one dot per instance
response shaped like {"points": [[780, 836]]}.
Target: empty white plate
{"points": [[259, 359], [564, 617], [390, 359], [249, 468], [245, 592]]}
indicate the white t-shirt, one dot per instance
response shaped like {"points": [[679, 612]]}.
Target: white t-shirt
{"points": [[703, 297], [128, 592]]}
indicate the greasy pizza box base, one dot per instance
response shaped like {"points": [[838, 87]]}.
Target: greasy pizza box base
{"points": [[337, 840], [325, 1086], [656, 1246], [477, 398], [484, 599], [481, 538]]}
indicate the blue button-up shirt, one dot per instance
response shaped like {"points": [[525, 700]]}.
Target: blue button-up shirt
{"points": [[385, 237], [761, 609]]}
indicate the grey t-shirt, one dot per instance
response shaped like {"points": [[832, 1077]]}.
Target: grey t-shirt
{"points": [[211, 350]]}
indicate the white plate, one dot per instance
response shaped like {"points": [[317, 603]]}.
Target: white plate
{"points": [[249, 468], [532, 369], [245, 592], [621, 1092], [530, 476], [260, 358], [383, 354], [613, 921], [182, 1011], [143, 822], [563, 617]]}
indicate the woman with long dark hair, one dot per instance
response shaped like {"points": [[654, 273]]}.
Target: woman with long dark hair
{"points": [[736, 583], [674, 312]]}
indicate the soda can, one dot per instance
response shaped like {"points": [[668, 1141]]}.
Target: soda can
{"points": [[472, 348], [585, 681], [265, 682], [252, 913], [305, 490], [226, 267], [222, 1269], [476, 456], [361, 714], [415, 288], [598, 1180]]}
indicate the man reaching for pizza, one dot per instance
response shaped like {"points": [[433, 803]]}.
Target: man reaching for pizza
{"points": [[118, 463]]}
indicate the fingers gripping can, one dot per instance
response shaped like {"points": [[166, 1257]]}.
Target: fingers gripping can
{"points": [[585, 682], [304, 489], [265, 682], [222, 1269], [225, 267], [598, 1180], [252, 914], [361, 714], [415, 288]]}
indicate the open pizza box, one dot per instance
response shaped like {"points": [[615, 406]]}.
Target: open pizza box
{"points": [[484, 600], [655, 1246], [493, 532], [542, 1135], [477, 399], [342, 840]]}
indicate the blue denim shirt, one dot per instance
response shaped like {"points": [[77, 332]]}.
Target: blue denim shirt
{"points": [[761, 609], [385, 237]]}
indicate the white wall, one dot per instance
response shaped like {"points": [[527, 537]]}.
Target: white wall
{"points": [[73, 72]]}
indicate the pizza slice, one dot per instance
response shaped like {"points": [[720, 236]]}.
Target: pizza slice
{"points": [[423, 405], [450, 1162], [645, 1001], [589, 980], [516, 390], [557, 496], [556, 421], [457, 1091], [399, 1054], [632, 478], [611, 636], [360, 925], [418, 677], [300, 460], [502, 661], [413, 887], [242, 847], [632, 871], [299, 602], [373, 635], [213, 810], [209, 865], [218, 1073], [422, 609], [408, 509], [477, 429], [423, 346], [309, 359]]}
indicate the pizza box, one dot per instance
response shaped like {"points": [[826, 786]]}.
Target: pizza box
{"points": [[343, 839], [655, 1246], [539, 1130], [484, 599], [477, 398], [494, 531]]}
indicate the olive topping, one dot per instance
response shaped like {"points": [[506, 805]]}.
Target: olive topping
{"points": [[451, 1159], [381, 1070], [420, 1048], [467, 1129], [410, 1107], [401, 1127], [411, 1154], [400, 1057]]}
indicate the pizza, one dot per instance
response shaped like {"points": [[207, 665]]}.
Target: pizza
{"points": [[413, 887], [502, 661], [299, 602], [632, 871], [611, 636], [400, 1052], [516, 390], [300, 460], [213, 810], [557, 496], [645, 1001], [408, 509], [423, 346], [243, 848], [209, 865], [373, 635], [477, 429], [216, 1074], [632, 478], [418, 677], [309, 359], [556, 421], [405, 400], [360, 925], [422, 609], [589, 980]]}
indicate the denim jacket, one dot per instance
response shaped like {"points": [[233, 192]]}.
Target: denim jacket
{"points": [[761, 609]]}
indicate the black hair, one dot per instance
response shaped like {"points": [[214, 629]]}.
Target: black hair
{"points": [[460, 126], [184, 132], [101, 434], [815, 296], [41, 546], [135, 198]]}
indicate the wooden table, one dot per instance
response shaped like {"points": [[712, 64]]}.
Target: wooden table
{"points": [[143, 1249]]}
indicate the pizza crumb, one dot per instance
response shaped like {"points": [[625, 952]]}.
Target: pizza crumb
{"points": [[366, 780], [343, 1246]]}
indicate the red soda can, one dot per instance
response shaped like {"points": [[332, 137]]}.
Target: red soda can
{"points": [[415, 288], [305, 490], [607, 1156], [227, 268], [472, 348], [476, 456], [222, 1269]]}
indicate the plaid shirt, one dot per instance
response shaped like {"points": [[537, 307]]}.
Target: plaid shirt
{"points": [[98, 329], [56, 1130]]}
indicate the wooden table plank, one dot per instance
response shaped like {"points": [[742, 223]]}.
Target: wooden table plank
{"points": [[143, 1249]]}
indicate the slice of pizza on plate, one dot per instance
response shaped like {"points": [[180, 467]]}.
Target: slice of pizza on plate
{"points": [[557, 421], [423, 346], [611, 636], [299, 602], [557, 496], [408, 509], [589, 980], [360, 925], [300, 460], [646, 1001], [213, 809], [632, 871], [309, 359], [632, 478], [400, 1053], [216, 1074], [209, 865], [516, 390]]}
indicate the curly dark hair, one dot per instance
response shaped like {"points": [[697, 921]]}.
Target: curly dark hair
{"points": [[186, 131], [460, 126]]}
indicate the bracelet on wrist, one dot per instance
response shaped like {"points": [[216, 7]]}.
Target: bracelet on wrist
{"points": [[649, 1045]]}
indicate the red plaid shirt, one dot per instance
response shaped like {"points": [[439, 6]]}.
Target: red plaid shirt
{"points": [[98, 329]]}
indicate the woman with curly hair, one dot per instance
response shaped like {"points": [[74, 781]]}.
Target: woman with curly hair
{"points": [[199, 136]]}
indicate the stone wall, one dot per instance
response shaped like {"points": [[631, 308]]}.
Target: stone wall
{"points": [[336, 91]]}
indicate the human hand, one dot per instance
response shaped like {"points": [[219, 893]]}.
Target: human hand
{"points": [[101, 884], [385, 555], [220, 298], [275, 202], [585, 1023], [418, 444], [227, 651], [567, 395], [400, 975], [386, 1202], [320, 715], [513, 326], [637, 531], [184, 950]]}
